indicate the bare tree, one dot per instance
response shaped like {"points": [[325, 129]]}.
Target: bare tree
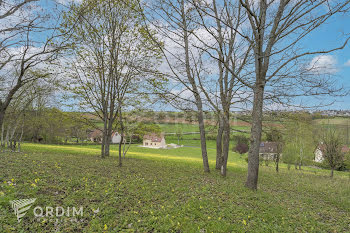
{"points": [[276, 31], [172, 20], [225, 48], [333, 154], [20, 104], [27, 42]]}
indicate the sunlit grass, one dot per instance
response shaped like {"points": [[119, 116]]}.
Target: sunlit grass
{"points": [[167, 191]]}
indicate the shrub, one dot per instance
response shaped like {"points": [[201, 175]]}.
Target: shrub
{"points": [[241, 148]]}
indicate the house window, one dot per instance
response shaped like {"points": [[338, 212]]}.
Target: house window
{"points": [[146, 143], [151, 144]]}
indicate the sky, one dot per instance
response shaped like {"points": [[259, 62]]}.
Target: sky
{"points": [[326, 37]]}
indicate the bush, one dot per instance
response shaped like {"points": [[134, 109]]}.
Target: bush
{"points": [[241, 148], [241, 139]]}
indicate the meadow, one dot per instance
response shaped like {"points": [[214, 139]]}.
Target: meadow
{"points": [[166, 191]]}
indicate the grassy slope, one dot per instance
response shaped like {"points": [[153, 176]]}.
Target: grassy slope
{"points": [[161, 190]]}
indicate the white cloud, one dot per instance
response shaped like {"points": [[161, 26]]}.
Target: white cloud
{"points": [[347, 63], [67, 2], [323, 64]]}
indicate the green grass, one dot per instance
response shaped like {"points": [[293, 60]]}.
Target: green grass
{"points": [[176, 127], [166, 191], [334, 121]]}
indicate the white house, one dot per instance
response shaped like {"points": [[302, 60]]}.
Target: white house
{"points": [[116, 137], [154, 141], [318, 155], [96, 136], [320, 150]]}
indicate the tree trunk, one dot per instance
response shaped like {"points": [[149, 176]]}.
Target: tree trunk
{"points": [[20, 136], [126, 151], [121, 135], [255, 138], [124, 145], [7, 138], [194, 90], [107, 143], [109, 132], [2, 115], [332, 172], [277, 162], [103, 139], [219, 144], [120, 163], [226, 146], [203, 138], [2, 137]]}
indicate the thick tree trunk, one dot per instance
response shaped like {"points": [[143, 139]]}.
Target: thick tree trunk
{"points": [[108, 136], [255, 138], [103, 149], [219, 143], [225, 146], [202, 137], [107, 144]]}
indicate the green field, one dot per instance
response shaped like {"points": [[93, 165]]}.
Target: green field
{"points": [[334, 121], [190, 134], [166, 191]]}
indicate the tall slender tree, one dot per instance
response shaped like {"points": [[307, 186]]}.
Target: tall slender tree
{"points": [[173, 22], [276, 31]]}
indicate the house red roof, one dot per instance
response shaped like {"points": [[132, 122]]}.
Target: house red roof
{"points": [[153, 137], [95, 134], [344, 149]]}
